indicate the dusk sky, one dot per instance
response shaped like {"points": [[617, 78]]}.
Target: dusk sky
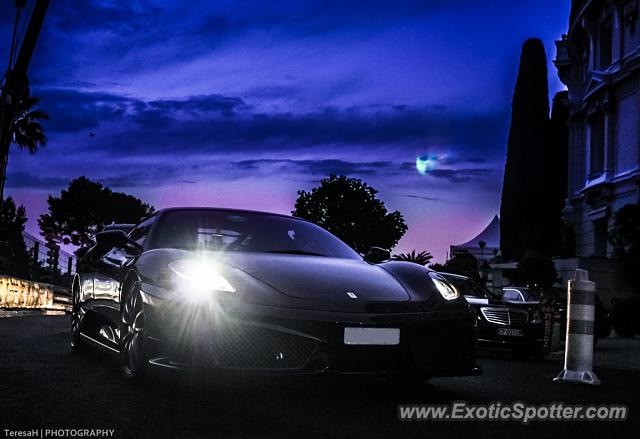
{"points": [[243, 103]]}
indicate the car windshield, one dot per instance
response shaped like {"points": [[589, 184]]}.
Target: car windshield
{"points": [[520, 295], [245, 232], [468, 287]]}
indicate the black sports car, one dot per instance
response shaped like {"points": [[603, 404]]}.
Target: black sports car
{"points": [[503, 323], [238, 291]]}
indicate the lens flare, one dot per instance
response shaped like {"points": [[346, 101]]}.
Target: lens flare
{"points": [[425, 164], [199, 277]]}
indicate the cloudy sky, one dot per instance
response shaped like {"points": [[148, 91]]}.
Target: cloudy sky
{"points": [[242, 103]]}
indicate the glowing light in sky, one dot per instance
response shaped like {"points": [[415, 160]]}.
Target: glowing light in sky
{"points": [[427, 163]]}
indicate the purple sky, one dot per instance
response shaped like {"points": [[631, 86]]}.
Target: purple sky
{"points": [[243, 103]]}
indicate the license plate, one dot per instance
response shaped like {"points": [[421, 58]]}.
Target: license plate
{"points": [[511, 332], [372, 336]]}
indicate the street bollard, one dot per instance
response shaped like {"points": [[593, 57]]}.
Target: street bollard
{"points": [[578, 353]]}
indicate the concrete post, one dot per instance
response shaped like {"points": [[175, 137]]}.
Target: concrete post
{"points": [[578, 354]]}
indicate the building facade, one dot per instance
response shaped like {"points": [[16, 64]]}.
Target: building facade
{"points": [[599, 62]]}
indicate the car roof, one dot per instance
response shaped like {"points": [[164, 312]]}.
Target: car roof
{"points": [[123, 227], [459, 276], [226, 209]]}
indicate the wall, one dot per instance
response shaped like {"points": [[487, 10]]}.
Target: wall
{"points": [[19, 293]]}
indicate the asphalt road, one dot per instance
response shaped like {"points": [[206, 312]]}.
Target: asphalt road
{"points": [[44, 385]]}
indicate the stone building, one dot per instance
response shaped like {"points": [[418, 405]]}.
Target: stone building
{"points": [[599, 61]]}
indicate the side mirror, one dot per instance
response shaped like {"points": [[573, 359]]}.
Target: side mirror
{"points": [[117, 238], [375, 255]]}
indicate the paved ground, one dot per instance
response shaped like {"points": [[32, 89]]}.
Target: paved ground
{"points": [[44, 385]]}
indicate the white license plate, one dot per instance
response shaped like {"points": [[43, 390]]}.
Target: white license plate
{"points": [[511, 332], [372, 336]]}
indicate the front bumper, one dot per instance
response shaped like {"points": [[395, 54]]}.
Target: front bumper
{"points": [[255, 339]]}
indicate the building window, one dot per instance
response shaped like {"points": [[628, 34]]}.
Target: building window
{"points": [[606, 44], [600, 238], [596, 151]]}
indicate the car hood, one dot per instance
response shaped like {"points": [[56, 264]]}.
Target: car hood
{"points": [[320, 278]]}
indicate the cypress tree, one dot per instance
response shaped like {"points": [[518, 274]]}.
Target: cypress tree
{"points": [[525, 190], [559, 164]]}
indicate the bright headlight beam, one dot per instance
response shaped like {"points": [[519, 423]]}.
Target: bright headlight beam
{"points": [[199, 276], [445, 289]]}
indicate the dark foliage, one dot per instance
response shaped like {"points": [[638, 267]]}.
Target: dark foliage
{"points": [[555, 181], [84, 208], [534, 185], [14, 258], [464, 264], [26, 131], [536, 270], [349, 209], [624, 236], [422, 258]]}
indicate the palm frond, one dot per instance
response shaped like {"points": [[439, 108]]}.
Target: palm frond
{"points": [[422, 258], [26, 132]]}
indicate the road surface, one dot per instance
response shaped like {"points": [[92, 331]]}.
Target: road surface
{"points": [[44, 385]]}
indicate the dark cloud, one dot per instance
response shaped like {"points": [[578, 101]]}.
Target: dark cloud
{"points": [[388, 168], [317, 167], [117, 16], [312, 18], [423, 197], [216, 123], [464, 175], [73, 110], [26, 180]]}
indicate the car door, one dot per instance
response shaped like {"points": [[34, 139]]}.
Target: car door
{"points": [[107, 283], [84, 279]]}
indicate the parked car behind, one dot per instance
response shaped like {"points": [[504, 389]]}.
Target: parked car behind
{"points": [[520, 294], [513, 325], [516, 294]]}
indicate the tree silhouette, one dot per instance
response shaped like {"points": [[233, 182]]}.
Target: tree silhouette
{"points": [[523, 217], [349, 209], [422, 258], [464, 264], [84, 208], [536, 270], [625, 239], [482, 245], [556, 179], [25, 131], [14, 258]]}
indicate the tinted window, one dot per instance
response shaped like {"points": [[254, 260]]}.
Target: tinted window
{"points": [[520, 294], [141, 231], [245, 232], [468, 287], [512, 295]]}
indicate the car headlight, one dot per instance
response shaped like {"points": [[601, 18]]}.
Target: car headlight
{"points": [[536, 317], [199, 276], [445, 289]]}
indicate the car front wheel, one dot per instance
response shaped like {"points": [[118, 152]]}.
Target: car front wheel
{"points": [[76, 320], [133, 352]]}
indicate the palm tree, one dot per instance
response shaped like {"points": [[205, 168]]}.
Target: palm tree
{"points": [[26, 132], [422, 258], [482, 246]]}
